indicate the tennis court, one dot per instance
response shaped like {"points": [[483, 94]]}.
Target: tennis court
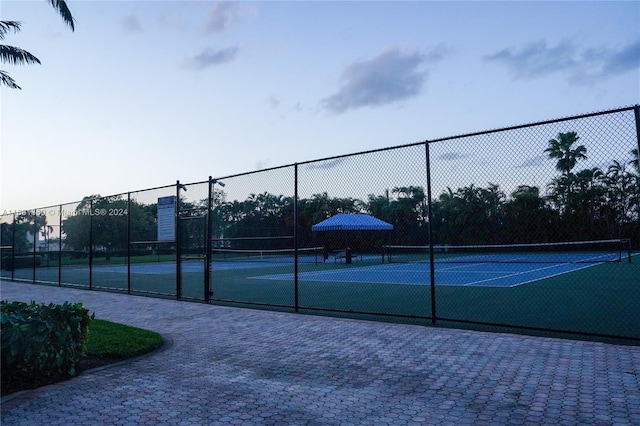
{"points": [[481, 274], [484, 266], [553, 290], [477, 266]]}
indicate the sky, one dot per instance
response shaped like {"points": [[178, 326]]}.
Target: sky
{"points": [[144, 93]]}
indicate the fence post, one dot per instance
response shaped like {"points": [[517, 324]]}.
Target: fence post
{"points": [[35, 240], [128, 243], [207, 244], [432, 274], [636, 113], [13, 248], [178, 244], [295, 238], [90, 244], [60, 247]]}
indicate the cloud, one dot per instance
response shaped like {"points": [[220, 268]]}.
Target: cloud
{"points": [[261, 164], [582, 66], [273, 101], [220, 16], [212, 57], [625, 59], [534, 162], [603, 63], [327, 164], [536, 59], [451, 156], [131, 24], [391, 76]]}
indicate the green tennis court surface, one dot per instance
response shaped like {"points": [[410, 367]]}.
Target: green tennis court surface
{"points": [[600, 298], [455, 271]]}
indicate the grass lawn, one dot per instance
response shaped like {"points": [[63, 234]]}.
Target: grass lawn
{"points": [[108, 342]]}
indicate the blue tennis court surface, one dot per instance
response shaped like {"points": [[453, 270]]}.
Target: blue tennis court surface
{"points": [[480, 274], [485, 274]]}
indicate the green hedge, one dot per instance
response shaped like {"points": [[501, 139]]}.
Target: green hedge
{"points": [[17, 262], [42, 342]]}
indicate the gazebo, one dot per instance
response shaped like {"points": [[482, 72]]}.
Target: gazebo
{"points": [[351, 222]]}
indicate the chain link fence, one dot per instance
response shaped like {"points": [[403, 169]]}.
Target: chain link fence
{"points": [[533, 228], [152, 242]]}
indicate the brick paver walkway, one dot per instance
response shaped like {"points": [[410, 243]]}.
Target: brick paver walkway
{"points": [[252, 367]]}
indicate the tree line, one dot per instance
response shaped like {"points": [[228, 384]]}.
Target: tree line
{"points": [[576, 205]]}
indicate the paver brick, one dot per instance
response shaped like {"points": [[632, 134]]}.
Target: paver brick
{"points": [[250, 367]]}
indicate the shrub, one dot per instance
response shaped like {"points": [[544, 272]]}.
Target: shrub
{"points": [[17, 262], [42, 342]]}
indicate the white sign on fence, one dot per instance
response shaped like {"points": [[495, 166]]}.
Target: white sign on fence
{"points": [[167, 218]]}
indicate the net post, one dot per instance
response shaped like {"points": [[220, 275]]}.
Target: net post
{"points": [[628, 241]]}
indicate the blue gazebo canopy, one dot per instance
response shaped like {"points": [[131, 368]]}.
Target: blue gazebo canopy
{"points": [[352, 222]]}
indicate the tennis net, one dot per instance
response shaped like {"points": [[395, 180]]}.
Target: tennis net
{"points": [[561, 252], [305, 255]]}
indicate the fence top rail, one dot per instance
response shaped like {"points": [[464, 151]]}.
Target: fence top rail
{"points": [[537, 123], [37, 210], [371, 151], [429, 141], [173, 185], [336, 157], [102, 197], [285, 166], [153, 242], [91, 199]]}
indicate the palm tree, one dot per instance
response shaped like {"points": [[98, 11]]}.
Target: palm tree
{"points": [[588, 195], [560, 188], [635, 194], [493, 199], [635, 161], [562, 149], [527, 216], [13, 55], [17, 56]]}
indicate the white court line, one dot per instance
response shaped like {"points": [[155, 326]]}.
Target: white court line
{"points": [[534, 270], [566, 272], [393, 268], [513, 275]]}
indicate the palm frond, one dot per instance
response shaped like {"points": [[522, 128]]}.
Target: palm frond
{"points": [[15, 55], [61, 7], [6, 26], [8, 81], [635, 161]]}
